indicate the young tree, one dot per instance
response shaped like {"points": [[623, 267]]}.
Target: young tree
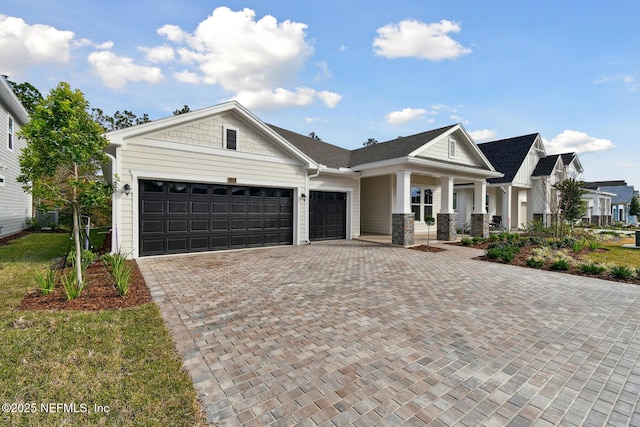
{"points": [[634, 207], [570, 203], [65, 148]]}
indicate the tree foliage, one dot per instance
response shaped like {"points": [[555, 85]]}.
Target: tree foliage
{"points": [[571, 207], [315, 136], [183, 110], [369, 142], [28, 95], [634, 207], [119, 120], [65, 148]]}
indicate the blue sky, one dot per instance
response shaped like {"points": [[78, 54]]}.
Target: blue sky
{"points": [[350, 71]]}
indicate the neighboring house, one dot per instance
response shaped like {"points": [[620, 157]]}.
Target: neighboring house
{"points": [[525, 192], [620, 199], [15, 203], [598, 206], [220, 178]]}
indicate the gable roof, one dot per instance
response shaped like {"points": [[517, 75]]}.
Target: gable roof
{"points": [[12, 103], [596, 184], [119, 137], [546, 165], [320, 151], [395, 148], [507, 155], [623, 192]]}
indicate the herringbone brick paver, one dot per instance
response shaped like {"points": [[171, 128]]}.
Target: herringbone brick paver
{"points": [[356, 333]]}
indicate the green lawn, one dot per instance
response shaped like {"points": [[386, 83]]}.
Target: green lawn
{"points": [[616, 254], [120, 359]]}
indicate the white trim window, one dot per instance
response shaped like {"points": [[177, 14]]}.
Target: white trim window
{"points": [[452, 148], [10, 133], [230, 138]]}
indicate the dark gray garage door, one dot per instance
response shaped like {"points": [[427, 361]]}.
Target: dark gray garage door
{"points": [[327, 215], [180, 217]]}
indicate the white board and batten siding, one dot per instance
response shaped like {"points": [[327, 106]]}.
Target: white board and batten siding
{"points": [[195, 153]]}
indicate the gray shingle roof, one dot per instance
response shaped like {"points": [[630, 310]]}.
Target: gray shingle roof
{"points": [[506, 155], [322, 152], [395, 148], [546, 165], [336, 157], [623, 192]]}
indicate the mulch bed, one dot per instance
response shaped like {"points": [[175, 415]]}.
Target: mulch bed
{"points": [[99, 294], [526, 252], [425, 248]]}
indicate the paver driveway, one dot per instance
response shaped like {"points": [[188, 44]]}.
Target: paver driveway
{"points": [[355, 333]]}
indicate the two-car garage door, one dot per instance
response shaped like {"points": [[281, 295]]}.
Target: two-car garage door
{"points": [[181, 217]]}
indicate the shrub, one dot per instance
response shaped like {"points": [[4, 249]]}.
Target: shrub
{"points": [[535, 262], [560, 265], [577, 246], [592, 268], [466, 241], [70, 283], [503, 252], [621, 272], [120, 270], [594, 244], [46, 281], [638, 272]]}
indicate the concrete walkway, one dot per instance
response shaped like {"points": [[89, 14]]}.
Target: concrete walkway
{"points": [[357, 333]]}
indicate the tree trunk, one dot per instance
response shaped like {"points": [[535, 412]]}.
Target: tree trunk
{"points": [[76, 229]]}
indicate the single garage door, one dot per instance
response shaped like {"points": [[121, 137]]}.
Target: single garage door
{"points": [[327, 215], [180, 217]]}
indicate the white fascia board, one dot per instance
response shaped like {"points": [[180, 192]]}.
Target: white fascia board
{"points": [[339, 171], [456, 170], [14, 105], [120, 137]]}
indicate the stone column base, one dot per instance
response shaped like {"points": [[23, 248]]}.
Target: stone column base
{"points": [[480, 225], [402, 226], [446, 224]]}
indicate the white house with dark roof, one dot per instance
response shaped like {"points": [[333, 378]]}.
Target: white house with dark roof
{"points": [[220, 178], [620, 194], [15, 203], [525, 191]]}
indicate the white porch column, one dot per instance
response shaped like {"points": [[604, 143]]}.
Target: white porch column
{"points": [[403, 192], [480, 195], [402, 220], [531, 205], [506, 207], [446, 206]]}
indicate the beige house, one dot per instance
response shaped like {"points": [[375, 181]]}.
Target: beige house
{"points": [[220, 178]]}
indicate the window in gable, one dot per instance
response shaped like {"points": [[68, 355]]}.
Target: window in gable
{"points": [[452, 148], [230, 138], [10, 134]]}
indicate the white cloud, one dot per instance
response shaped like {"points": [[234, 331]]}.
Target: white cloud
{"points": [[324, 71], [243, 54], [187, 76], [406, 115], [330, 99], [481, 135], [115, 71], [158, 54], [629, 82], [411, 38], [278, 98], [575, 141], [23, 45], [314, 119]]}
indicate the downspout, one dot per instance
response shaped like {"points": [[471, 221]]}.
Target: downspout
{"points": [[308, 198], [114, 208]]}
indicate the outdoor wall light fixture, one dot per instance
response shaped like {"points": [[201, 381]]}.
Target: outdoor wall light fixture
{"points": [[127, 189], [303, 197]]}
